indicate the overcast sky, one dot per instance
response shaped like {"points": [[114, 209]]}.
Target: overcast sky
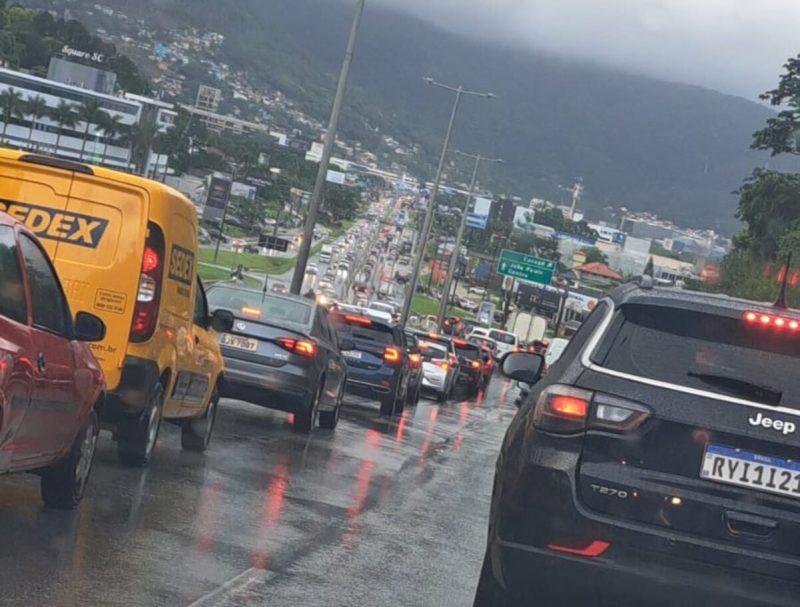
{"points": [[735, 46]]}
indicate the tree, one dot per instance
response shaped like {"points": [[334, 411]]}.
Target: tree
{"points": [[89, 112], [36, 108], [144, 134], [595, 255], [64, 115], [12, 105], [111, 125], [341, 203], [250, 213], [649, 268]]}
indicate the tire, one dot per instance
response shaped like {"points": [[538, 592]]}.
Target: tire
{"points": [[196, 433], [389, 405], [443, 396], [413, 397], [330, 419], [137, 434], [306, 418], [63, 485]]}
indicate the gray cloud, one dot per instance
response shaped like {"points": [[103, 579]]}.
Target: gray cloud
{"points": [[736, 46]]}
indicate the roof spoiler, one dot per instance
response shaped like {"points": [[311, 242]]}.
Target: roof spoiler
{"points": [[57, 163], [643, 281]]}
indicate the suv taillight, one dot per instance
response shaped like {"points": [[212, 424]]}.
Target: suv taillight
{"points": [[392, 355], [145, 312], [567, 410]]}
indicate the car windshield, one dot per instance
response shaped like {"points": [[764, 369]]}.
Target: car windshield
{"points": [[503, 338], [706, 351], [256, 305], [361, 328]]}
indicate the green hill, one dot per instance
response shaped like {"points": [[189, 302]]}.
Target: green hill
{"points": [[674, 149]]}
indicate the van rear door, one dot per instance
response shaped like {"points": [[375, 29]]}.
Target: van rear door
{"points": [[100, 267]]}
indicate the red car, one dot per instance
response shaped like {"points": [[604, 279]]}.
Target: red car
{"points": [[50, 383]]}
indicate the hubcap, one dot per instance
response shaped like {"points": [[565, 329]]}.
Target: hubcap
{"points": [[88, 445]]}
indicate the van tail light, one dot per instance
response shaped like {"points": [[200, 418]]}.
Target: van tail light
{"points": [[148, 298], [392, 355], [475, 364], [415, 360], [301, 347], [567, 410], [442, 364]]}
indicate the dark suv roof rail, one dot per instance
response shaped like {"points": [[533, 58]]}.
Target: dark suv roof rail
{"points": [[643, 281]]}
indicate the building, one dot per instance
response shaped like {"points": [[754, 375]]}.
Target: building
{"points": [[221, 123], [208, 98], [83, 76], [82, 141], [598, 275]]}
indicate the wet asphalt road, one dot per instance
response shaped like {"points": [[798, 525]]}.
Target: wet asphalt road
{"points": [[378, 512]]}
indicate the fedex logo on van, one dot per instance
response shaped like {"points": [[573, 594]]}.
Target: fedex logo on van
{"points": [[63, 226]]}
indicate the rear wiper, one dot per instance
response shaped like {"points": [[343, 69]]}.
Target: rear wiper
{"points": [[741, 387]]}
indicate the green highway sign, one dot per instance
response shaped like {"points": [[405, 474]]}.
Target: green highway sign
{"points": [[526, 267]]}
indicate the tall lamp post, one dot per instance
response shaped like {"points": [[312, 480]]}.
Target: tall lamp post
{"points": [[426, 226], [235, 168], [451, 270], [327, 151]]}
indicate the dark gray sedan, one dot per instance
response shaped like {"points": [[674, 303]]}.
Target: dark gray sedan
{"points": [[282, 354]]}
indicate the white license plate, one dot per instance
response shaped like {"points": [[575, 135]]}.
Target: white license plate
{"points": [[751, 470], [354, 354], [240, 343]]}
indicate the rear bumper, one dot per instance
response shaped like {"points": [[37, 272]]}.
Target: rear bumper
{"points": [[536, 504], [630, 577], [137, 379], [367, 390], [266, 386]]}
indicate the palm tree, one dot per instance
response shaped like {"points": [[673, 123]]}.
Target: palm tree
{"points": [[89, 113], [36, 108], [110, 124], [11, 105], [64, 115], [144, 135]]}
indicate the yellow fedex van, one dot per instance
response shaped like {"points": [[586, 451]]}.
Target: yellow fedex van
{"points": [[125, 249]]}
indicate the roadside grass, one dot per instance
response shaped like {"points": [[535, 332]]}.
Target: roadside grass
{"points": [[251, 261], [423, 305], [209, 275]]}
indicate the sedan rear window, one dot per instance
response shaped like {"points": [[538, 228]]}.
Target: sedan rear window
{"points": [[703, 350], [432, 351], [468, 351], [259, 306]]}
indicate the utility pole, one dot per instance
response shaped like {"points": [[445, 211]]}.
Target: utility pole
{"points": [[327, 151], [426, 226], [225, 212], [451, 270], [577, 193]]}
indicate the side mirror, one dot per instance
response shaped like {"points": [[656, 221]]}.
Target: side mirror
{"points": [[222, 321], [89, 327], [524, 367], [346, 344]]}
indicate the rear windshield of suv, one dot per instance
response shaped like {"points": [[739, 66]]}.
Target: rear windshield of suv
{"points": [[704, 351], [468, 351], [432, 351], [358, 327]]}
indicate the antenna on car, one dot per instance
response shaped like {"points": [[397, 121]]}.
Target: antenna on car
{"points": [[781, 301]]}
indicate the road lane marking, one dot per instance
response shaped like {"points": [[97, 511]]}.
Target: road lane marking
{"points": [[236, 585]]}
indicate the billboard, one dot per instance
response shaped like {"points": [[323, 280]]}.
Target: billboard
{"points": [[524, 220], [479, 217], [336, 177], [243, 190], [218, 191]]}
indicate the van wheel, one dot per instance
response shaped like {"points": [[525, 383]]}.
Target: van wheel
{"points": [[137, 434], [64, 484], [196, 433]]}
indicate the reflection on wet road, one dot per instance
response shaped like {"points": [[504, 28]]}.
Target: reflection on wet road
{"points": [[378, 512]]}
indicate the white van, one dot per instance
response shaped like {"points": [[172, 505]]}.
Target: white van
{"points": [[325, 254]]}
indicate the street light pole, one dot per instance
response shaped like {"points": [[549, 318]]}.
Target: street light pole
{"points": [[426, 226], [327, 151], [225, 211], [451, 270]]}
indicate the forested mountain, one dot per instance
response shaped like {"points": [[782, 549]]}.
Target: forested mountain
{"points": [[674, 149]]}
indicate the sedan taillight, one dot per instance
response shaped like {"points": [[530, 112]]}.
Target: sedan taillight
{"points": [[301, 347]]}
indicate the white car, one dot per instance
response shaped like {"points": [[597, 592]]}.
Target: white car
{"points": [[506, 342], [554, 351], [437, 372], [383, 307]]}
